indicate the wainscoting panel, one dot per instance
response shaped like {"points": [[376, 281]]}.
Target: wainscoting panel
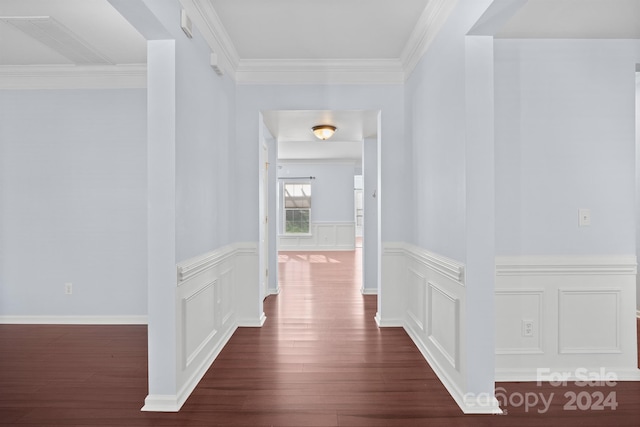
{"points": [[206, 300], [324, 236], [582, 310], [580, 330], [433, 313], [444, 323], [514, 308], [199, 325], [417, 299]]}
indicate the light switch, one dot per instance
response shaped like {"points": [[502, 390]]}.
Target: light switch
{"points": [[584, 217]]}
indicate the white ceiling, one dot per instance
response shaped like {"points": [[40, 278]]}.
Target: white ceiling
{"points": [[296, 140], [95, 23], [263, 38], [313, 29], [584, 19]]}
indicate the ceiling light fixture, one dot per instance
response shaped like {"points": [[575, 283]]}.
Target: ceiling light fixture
{"points": [[323, 131]]}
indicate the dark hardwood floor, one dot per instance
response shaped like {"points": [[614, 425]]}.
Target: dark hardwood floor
{"points": [[319, 360]]}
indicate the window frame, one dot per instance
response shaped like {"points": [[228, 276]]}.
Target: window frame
{"points": [[285, 209]]}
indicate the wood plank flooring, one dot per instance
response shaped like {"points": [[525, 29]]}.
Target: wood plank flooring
{"points": [[319, 360]]}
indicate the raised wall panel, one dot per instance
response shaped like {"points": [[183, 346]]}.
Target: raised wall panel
{"points": [[225, 299], [589, 321], [326, 235], [443, 323], [323, 236], [512, 307], [199, 325], [417, 298], [587, 314]]}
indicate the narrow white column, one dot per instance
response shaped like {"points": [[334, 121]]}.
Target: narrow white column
{"points": [[478, 346], [161, 227]]}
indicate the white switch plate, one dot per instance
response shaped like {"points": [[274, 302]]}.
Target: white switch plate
{"points": [[584, 217]]}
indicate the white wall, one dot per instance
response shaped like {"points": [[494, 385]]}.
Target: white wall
{"points": [[449, 124], [565, 125], [331, 190], [565, 140], [191, 200], [205, 129], [332, 222], [73, 203], [370, 247], [254, 98]]}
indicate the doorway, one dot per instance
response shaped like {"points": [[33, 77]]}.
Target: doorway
{"points": [[336, 220]]}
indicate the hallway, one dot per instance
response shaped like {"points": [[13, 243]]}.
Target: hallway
{"points": [[319, 360]]}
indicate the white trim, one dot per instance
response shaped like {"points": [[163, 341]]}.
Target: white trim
{"points": [[161, 403], [272, 291], [74, 320], [427, 28], [173, 403], [322, 236], [468, 404], [195, 378], [208, 22], [252, 323], [448, 267], [565, 265], [21, 77], [638, 313], [323, 71], [388, 323], [196, 265], [192, 267], [368, 291]]}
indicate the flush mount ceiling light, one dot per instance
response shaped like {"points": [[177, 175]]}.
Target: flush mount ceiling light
{"points": [[323, 131]]}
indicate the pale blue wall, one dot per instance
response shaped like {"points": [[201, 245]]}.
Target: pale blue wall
{"points": [[205, 133], [332, 196], [251, 99], [565, 139], [73, 202]]}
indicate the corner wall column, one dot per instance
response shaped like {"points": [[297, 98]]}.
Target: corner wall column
{"points": [[161, 228]]}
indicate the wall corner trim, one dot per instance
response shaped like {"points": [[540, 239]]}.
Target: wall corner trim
{"points": [[161, 403], [566, 265]]}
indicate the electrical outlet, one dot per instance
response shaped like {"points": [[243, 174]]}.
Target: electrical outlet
{"points": [[527, 328], [68, 288]]}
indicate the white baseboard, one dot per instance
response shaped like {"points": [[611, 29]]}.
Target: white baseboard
{"points": [[469, 404], [161, 403], [272, 291], [173, 403], [75, 320], [252, 323], [323, 236], [388, 323], [369, 291], [637, 313]]}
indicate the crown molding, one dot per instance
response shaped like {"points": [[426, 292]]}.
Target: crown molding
{"points": [[427, 28], [206, 19], [320, 71], [313, 71], [22, 77]]}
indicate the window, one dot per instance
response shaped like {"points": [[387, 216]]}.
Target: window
{"points": [[297, 208]]}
